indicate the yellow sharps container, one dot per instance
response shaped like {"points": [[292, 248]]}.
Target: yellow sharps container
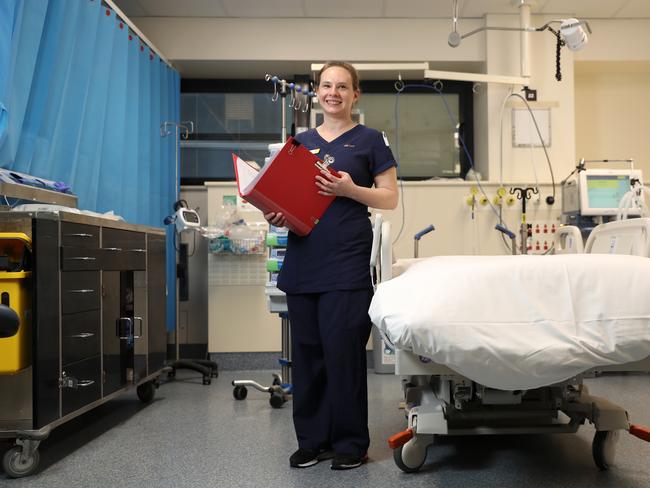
{"points": [[15, 293]]}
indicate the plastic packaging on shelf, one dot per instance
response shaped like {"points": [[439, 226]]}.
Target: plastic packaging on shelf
{"points": [[245, 240], [237, 236]]}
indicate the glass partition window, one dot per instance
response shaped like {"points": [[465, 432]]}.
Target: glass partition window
{"points": [[419, 130], [226, 123]]}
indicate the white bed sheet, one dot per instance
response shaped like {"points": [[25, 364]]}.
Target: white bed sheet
{"points": [[519, 322]]}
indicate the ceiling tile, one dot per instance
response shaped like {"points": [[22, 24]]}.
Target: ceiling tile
{"points": [[345, 8], [379, 8], [478, 8], [634, 9], [417, 8], [263, 8], [587, 9]]}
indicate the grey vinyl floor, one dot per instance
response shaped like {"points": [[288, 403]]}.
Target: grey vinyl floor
{"points": [[198, 436]]}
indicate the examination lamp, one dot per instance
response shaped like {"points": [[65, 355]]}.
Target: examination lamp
{"points": [[571, 32]]}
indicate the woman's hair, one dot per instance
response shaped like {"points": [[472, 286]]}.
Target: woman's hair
{"points": [[346, 66]]}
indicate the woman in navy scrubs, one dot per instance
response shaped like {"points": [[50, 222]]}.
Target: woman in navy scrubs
{"points": [[327, 280]]}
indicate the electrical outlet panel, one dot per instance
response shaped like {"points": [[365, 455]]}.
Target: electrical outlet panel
{"points": [[541, 234]]}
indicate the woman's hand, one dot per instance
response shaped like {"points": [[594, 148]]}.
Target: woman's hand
{"points": [[330, 185], [276, 219]]}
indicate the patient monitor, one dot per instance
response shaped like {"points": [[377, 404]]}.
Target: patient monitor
{"points": [[601, 190], [598, 192]]}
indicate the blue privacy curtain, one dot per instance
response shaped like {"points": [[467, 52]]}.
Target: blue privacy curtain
{"points": [[82, 100]]}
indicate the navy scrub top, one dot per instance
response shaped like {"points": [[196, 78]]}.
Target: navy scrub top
{"points": [[336, 254]]}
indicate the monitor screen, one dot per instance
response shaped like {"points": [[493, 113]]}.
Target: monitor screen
{"points": [[601, 191], [606, 191]]}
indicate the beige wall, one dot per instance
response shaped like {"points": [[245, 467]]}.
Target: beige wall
{"points": [[613, 112], [308, 39]]}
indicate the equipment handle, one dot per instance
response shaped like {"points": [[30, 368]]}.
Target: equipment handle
{"points": [[423, 232], [507, 232]]}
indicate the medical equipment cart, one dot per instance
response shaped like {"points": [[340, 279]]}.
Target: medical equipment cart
{"points": [[96, 323]]}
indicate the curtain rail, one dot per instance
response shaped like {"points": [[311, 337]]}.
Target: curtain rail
{"points": [[137, 31]]}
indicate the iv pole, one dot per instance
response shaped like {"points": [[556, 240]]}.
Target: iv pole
{"points": [[281, 387], [209, 369]]}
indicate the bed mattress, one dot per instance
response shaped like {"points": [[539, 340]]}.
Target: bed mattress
{"points": [[519, 322]]}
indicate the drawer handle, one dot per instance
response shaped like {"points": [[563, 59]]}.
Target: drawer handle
{"points": [[80, 234], [139, 250], [111, 248], [81, 291], [128, 330], [83, 335], [73, 383], [138, 319], [81, 258]]}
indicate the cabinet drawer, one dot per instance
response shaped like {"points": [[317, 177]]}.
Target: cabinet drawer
{"points": [[79, 235], [80, 336], [123, 250], [117, 260], [80, 291], [86, 374], [79, 258], [125, 240]]}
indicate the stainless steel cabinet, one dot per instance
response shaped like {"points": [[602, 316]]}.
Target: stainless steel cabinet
{"points": [[98, 319]]}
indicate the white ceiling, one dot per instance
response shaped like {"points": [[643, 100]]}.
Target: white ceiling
{"points": [[584, 9]]}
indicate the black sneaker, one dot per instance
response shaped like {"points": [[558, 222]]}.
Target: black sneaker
{"points": [[348, 461], [304, 458]]}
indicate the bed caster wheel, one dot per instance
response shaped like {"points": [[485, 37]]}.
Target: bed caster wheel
{"points": [[410, 457], [239, 392], [277, 400], [604, 448], [146, 391], [16, 465]]}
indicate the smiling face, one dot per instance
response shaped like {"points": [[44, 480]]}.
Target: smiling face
{"points": [[337, 93]]}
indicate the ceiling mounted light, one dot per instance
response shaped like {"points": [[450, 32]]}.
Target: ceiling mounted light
{"points": [[571, 30]]}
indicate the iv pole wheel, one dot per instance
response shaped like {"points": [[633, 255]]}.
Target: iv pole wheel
{"points": [[277, 400], [239, 392]]}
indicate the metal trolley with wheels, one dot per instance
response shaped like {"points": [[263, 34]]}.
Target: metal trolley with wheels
{"points": [[23, 458], [80, 322]]}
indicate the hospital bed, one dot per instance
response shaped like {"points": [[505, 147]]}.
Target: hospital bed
{"points": [[487, 388]]}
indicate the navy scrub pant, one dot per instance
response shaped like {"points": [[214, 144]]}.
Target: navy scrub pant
{"points": [[329, 332]]}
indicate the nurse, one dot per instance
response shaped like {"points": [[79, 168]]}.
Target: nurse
{"points": [[326, 278]]}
